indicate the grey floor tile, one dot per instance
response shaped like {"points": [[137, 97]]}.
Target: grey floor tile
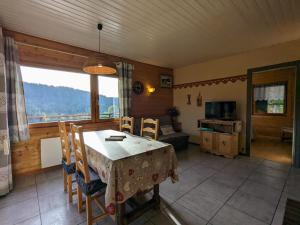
{"points": [[201, 205], [252, 160], [216, 163], [272, 171], [276, 165], [293, 192], [52, 200], [293, 179], [167, 200], [49, 175], [32, 221], [55, 185], [187, 181], [234, 169], [184, 216], [144, 218], [230, 216], [160, 218], [279, 215], [203, 172], [227, 179], [206, 181], [21, 181], [275, 182], [295, 171], [214, 190], [64, 215], [19, 212], [18, 195], [283, 197], [253, 206], [262, 191], [148, 223], [184, 165]]}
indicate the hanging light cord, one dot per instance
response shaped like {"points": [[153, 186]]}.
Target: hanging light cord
{"points": [[99, 39]]}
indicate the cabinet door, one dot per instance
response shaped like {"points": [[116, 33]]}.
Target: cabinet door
{"points": [[225, 144], [207, 140]]}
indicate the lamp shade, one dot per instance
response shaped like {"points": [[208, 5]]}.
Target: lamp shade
{"points": [[97, 66]]}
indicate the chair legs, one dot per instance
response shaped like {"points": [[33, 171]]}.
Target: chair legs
{"points": [[79, 201], [70, 191], [68, 185], [88, 208], [65, 180]]}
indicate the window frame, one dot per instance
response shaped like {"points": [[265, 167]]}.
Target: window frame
{"points": [[94, 98], [285, 84], [97, 99]]}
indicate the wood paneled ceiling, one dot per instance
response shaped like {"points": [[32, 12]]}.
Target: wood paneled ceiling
{"points": [[171, 33]]}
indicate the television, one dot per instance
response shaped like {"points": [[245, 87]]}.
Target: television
{"points": [[221, 110]]}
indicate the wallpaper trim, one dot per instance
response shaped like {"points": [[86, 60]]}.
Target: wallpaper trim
{"points": [[223, 80]]}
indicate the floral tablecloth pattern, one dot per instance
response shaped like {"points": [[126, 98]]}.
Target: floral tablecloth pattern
{"points": [[127, 176]]}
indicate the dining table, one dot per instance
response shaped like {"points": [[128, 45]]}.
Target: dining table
{"points": [[129, 165]]}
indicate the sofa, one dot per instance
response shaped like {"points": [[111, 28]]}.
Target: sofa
{"points": [[179, 140]]}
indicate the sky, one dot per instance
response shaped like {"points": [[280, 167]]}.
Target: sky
{"points": [[107, 86]]}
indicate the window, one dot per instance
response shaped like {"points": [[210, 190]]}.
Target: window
{"points": [[53, 95], [108, 97], [269, 99]]}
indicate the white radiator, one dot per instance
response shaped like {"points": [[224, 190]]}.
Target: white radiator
{"points": [[50, 152]]}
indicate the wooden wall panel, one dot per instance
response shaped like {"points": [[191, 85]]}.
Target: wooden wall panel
{"points": [[26, 156], [39, 52], [267, 125]]}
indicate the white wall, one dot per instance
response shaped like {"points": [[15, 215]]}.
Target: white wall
{"points": [[224, 67]]}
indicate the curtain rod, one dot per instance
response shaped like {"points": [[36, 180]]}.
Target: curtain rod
{"points": [[54, 50]]}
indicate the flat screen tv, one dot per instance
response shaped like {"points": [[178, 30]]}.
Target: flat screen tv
{"points": [[225, 110]]}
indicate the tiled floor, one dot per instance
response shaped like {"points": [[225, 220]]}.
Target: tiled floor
{"points": [[212, 190]]}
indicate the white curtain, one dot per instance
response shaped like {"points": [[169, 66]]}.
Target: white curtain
{"points": [[269, 93]]}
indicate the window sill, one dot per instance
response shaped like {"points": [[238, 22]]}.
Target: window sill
{"points": [[270, 114], [80, 122]]}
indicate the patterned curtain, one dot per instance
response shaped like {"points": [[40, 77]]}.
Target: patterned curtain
{"points": [[17, 118], [5, 158], [13, 121], [125, 83]]}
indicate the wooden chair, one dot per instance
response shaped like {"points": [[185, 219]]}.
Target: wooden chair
{"points": [[87, 179], [152, 129], [68, 161], [127, 123]]}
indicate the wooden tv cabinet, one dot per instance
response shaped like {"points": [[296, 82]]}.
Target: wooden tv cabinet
{"points": [[220, 137]]}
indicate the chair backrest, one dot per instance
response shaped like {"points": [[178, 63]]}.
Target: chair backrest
{"points": [[127, 123], [149, 126], [65, 143], [80, 153]]}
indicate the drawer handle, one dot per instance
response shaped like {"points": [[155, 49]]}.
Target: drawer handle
{"points": [[206, 139], [223, 142]]}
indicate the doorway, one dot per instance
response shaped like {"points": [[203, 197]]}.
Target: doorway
{"points": [[273, 127], [273, 114]]}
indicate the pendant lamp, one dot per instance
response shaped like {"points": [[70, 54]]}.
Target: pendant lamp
{"points": [[96, 65]]}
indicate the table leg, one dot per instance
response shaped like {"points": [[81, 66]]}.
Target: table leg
{"points": [[156, 196], [120, 215]]}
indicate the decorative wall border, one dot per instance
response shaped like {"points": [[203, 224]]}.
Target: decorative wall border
{"points": [[223, 80]]}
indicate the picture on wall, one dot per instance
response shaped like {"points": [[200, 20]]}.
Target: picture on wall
{"points": [[166, 81]]}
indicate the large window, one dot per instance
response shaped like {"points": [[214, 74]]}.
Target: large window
{"points": [[108, 97], [269, 99], [53, 95]]}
